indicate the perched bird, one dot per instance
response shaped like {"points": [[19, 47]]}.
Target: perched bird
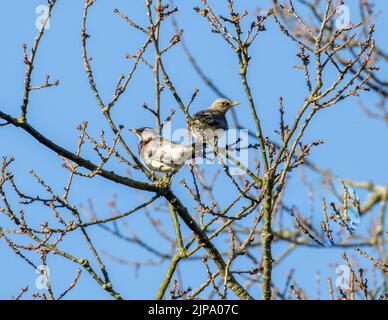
{"points": [[210, 124], [160, 154]]}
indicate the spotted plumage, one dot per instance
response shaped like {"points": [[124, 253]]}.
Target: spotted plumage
{"points": [[211, 123], [160, 154]]}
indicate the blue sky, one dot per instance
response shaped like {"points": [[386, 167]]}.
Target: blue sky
{"points": [[355, 146]]}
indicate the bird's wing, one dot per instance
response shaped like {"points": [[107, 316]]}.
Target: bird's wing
{"points": [[177, 152], [166, 152], [207, 118]]}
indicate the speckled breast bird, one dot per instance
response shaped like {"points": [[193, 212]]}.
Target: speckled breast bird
{"points": [[211, 124], [160, 154]]}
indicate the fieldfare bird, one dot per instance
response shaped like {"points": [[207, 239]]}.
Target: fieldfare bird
{"points": [[210, 124], [160, 154]]}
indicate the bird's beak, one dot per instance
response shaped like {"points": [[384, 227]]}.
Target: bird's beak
{"points": [[234, 103], [133, 130]]}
